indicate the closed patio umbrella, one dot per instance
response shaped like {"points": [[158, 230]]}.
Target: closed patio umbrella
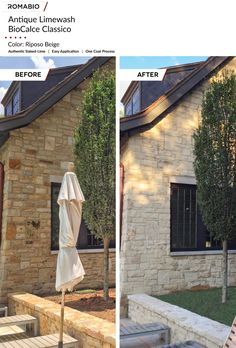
{"points": [[69, 267]]}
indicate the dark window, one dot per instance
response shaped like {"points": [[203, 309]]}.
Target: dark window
{"points": [[128, 108], [136, 98], [13, 105], [1, 197], [16, 102], [188, 231], [133, 104], [85, 241], [8, 109]]}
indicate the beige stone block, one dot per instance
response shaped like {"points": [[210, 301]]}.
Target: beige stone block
{"points": [[49, 143], [13, 177], [27, 130], [11, 231], [17, 204], [24, 265], [20, 229], [64, 165], [70, 140], [39, 180], [91, 342], [14, 163], [44, 275], [32, 152], [41, 190]]}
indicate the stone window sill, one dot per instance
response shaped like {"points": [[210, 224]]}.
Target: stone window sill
{"points": [[202, 252], [87, 251]]}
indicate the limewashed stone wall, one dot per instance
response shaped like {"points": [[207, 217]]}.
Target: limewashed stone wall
{"points": [[90, 331], [152, 160], [184, 325], [34, 156]]}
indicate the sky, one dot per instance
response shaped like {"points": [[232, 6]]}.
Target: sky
{"points": [[150, 62], [36, 63], [144, 62]]}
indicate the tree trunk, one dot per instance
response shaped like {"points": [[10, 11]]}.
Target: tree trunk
{"points": [[225, 271], [106, 242]]}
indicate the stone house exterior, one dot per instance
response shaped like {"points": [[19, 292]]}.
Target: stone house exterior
{"points": [[35, 148], [165, 246]]}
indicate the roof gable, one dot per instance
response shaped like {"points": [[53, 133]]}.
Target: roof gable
{"points": [[51, 97], [30, 91], [152, 90], [156, 111]]}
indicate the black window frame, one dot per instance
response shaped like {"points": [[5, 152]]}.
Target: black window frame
{"points": [[202, 235], [130, 102], [86, 240]]}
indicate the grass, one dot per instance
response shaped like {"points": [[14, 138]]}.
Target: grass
{"points": [[206, 303]]}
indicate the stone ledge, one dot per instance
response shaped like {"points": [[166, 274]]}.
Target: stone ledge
{"points": [[200, 252], [191, 325], [80, 323]]}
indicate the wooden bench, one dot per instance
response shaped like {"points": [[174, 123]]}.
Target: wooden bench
{"points": [[20, 320], [186, 344], [131, 331], [231, 339], [49, 341], [4, 310]]}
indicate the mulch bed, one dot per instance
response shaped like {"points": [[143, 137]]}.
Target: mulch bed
{"points": [[91, 303]]}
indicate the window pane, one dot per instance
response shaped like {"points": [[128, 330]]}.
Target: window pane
{"points": [[183, 217], [193, 220], [136, 101], [16, 102], [128, 108], [174, 218], [55, 188], [8, 109], [188, 231]]}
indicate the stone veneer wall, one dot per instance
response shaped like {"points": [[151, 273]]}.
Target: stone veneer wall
{"points": [[152, 160], [33, 157], [184, 325], [90, 331]]}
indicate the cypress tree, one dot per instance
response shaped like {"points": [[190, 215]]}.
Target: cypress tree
{"points": [[215, 164], [94, 148]]}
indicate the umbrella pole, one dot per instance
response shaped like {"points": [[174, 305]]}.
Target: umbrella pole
{"points": [[60, 343]]}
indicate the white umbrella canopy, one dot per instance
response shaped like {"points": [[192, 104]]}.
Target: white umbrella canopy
{"points": [[69, 267], [70, 270]]}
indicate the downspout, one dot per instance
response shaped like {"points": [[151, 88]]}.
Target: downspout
{"points": [[1, 197], [121, 197]]}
